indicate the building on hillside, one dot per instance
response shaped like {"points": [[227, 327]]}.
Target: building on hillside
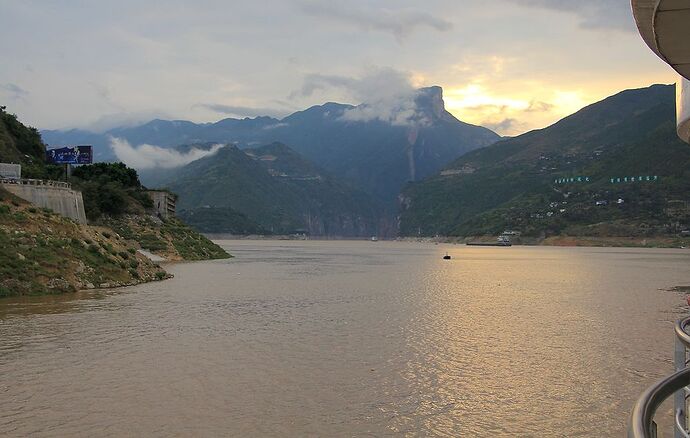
{"points": [[163, 203], [10, 171]]}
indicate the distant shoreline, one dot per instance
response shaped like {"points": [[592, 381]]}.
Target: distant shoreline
{"points": [[567, 241]]}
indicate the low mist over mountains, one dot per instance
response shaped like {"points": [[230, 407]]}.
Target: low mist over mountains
{"points": [[377, 148], [614, 168]]}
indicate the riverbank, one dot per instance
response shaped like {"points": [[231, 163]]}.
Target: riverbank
{"points": [[42, 253], [585, 241]]}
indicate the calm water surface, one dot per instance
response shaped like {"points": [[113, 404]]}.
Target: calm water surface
{"points": [[349, 339]]}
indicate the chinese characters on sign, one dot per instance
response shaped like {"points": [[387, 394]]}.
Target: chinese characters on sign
{"points": [[70, 155], [627, 179], [572, 179]]}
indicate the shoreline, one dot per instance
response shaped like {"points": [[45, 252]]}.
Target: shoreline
{"points": [[565, 241]]}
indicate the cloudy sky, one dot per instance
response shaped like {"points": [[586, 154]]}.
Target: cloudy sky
{"points": [[510, 65]]}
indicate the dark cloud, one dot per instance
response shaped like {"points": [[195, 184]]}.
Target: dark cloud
{"points": [[14, 91], [537, 106], [373, 85], [243, 111], [398, 22], [504, 125], [489, 107], [593, 14]]}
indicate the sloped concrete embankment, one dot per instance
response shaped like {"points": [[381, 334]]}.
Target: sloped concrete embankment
{"points": [[59, 198]]}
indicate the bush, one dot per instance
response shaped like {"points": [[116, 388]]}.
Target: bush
{"points": [[133, 264], [94, 249], [106, 234], [131, 250], [160, 275], [32, 210], [123, 254], [116, 172]]}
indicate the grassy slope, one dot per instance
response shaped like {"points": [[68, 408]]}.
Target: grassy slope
{"points": [[44, 253], [171, 239], [114, 197]]}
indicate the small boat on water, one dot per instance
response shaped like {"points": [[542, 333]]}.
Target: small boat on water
{"points": [[374, 239], [501, 241]]}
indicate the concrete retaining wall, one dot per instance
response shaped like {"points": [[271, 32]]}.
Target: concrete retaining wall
{"points": [[62, 200]]}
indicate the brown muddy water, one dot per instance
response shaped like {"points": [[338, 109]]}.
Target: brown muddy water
{"points": [[316, 338]]}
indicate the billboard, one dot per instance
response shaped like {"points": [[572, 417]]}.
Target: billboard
{"points": [[10, 171], [70, 155]]}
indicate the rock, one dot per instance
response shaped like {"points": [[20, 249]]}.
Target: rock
{"points": [[59, 284], [21, 257], [90, 286]]}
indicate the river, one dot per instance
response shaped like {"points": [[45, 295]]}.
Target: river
{"points": [[344, 338]]}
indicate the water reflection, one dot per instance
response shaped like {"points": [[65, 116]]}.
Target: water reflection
{"points": [[349, 339]]}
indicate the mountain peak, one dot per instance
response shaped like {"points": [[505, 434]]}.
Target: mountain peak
{"points": [[431, 99]]}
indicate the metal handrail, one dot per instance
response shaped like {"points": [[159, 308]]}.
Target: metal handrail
{"points": [[641, 423], [681, 334], [642, 416], [36, 182], [680, 416]]}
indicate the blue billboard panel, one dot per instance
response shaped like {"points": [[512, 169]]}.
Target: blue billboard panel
{"points": [[70, 155]]}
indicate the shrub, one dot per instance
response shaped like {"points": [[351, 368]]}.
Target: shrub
{"points": [[160, 275], [133, 263], [106, 234], [123, 254], [32, 210], [117, 172], [131, 250], [94, 249]]}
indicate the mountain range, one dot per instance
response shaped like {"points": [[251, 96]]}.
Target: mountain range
{"points": [[615, 167], [375, 153]]}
